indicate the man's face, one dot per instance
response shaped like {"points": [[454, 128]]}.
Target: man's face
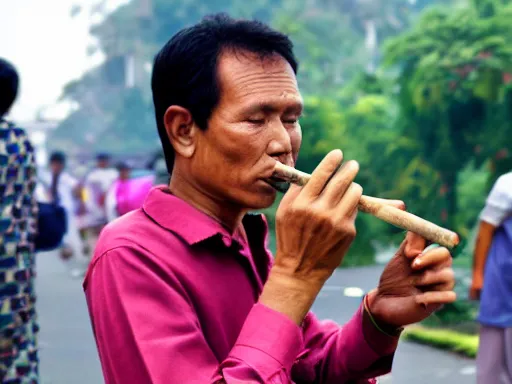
{"points": [[124, 173], [254, 124], [56, 167], [103, 163]]}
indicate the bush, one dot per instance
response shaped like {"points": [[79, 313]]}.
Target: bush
{"points": [[464, 344]]}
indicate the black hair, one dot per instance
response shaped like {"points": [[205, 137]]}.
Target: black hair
{"points": [[123, 166], [58, 157], [102, 157], [185, 69], [9, 82]]}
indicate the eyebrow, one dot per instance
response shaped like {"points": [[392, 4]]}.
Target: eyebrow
{"points": [[268, 108]]}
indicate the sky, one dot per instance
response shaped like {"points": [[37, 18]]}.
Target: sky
{"points": [[48, 47]]}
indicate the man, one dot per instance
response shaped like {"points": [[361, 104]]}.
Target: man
{"points": [[492, 277], [62, 188], [185, 291], [96, 186], [18, 225]]}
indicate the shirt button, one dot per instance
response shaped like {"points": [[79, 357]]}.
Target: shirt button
{"points": [[227, 241]]}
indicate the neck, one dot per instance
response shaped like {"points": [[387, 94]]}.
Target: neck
{"points": [[228, 214]]}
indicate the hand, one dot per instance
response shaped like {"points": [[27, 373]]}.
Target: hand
{"points": [[413, 285], [315, 226], [475, 289]]}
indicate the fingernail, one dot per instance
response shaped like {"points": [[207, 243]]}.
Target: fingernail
{"points": [[417, 261]]}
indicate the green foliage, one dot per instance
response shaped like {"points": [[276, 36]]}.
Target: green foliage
{"points": [[464, 344], [454, 94], [432, 126]]}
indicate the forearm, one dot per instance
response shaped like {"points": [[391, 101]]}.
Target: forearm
{"points": [[482, 247]]}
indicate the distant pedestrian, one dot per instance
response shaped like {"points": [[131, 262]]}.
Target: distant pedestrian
{"points": [[61, 188], [492, 284], [96, 186]]}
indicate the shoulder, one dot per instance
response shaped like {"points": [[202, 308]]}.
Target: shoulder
{"points": [[135, 241], [137, 232], [504, 182], [11, 133], [502, 189]]}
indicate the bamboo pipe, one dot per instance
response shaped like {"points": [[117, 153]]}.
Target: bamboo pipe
{"points": [[387, 213]]}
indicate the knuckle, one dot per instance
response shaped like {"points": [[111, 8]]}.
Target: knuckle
{"points": [[348, 229], [450, 274]]}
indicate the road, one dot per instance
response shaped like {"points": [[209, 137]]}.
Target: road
{"points": [[68, 353]]}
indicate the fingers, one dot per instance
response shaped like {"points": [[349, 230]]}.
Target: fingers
{"points": [[340, 182], [322, 174], [348, 204], [437, 280], [414, 244], [394, 203], [436, 297], [436, 257]]}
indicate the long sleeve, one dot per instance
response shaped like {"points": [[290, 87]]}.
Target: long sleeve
{"points": [[148, 332], [354, 353]]}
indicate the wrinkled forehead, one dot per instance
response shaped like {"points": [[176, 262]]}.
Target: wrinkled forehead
{"points": [[246, 77]]}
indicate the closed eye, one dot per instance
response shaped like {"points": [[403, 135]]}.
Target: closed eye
{"points": [[256, 121]]}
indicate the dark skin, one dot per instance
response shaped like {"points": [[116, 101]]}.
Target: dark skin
{"points": [[222, 172], [482, 247], [124, 173]]}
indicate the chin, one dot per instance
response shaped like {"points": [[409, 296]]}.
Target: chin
{"points": [[260, 200]]}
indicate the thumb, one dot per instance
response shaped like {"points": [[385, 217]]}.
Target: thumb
{"points": [[414, 244]]}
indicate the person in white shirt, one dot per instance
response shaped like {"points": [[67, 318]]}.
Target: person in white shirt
{"points": [[96, 186], [61, 188], [492, 285]]}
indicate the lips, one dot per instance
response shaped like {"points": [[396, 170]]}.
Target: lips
{"points": [[278, 184]]}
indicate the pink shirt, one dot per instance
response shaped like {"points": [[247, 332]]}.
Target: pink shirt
{"points": [[173, 299]]}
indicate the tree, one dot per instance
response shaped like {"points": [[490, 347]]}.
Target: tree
{"points": [[453, 73]]}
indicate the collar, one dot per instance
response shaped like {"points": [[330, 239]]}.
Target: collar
{"points": [[192, 225]]}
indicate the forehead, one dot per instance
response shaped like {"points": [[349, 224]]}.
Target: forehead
{"points": [[245, 77]]}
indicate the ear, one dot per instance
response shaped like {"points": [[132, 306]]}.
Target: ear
{"points": [[181, 130]]}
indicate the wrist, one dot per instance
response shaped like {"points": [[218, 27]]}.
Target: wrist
{"points": [[377, 318], [289, 295]]}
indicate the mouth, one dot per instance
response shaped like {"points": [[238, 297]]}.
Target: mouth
{"points": [[278, 184]]}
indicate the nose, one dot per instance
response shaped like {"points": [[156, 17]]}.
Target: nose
{"points": [[280, 144]]}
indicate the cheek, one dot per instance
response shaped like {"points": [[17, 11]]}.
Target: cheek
{"points": [[239, 145]]}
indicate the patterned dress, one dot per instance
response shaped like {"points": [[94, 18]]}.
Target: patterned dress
{"points": [[18, 226]]}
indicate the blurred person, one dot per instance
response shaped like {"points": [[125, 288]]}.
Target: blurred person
{"points": [[96, 185], [62, 188], [127, 193], [18, 227], [159, 168], [492, 284], [184, 290]]}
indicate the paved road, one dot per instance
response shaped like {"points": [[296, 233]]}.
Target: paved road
{"points": [[68, 353]]}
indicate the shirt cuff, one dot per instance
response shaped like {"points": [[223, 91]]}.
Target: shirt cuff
{"points": [[381, 342], [269, 341]]}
